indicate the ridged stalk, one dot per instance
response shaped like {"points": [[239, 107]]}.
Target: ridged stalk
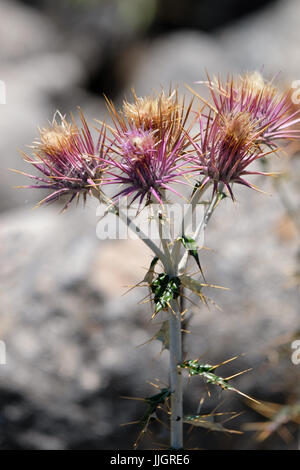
{"points": [[175, 377]]}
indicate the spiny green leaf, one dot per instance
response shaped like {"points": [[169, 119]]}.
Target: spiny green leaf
{"points": [[206, 371], [165, 289], [190, 245], [153, 402]]}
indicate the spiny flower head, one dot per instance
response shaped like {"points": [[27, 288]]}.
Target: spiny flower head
{"points": [[269, 112], [223, 157], [161, 114], [144, 167], [68, 159], [148, 146]]}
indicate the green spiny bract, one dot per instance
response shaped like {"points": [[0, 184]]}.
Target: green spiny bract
{"points": [[206, 371], [153, 402], [165, 289]]}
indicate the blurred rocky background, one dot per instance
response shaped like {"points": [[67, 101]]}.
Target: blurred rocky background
{"points": [[71, 335]]}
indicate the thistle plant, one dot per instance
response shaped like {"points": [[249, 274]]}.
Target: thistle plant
{"points": [[157, 148]]}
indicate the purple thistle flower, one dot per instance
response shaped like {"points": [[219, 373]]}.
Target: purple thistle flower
{"points": [[269, 112], [145, 167], [68, 159], [224, 157], [148, 148]]}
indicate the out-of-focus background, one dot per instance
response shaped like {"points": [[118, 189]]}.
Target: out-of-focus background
{"points": [[71, 336]]}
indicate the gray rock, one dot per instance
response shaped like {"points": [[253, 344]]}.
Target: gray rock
{"points": [[177, 58], [24, 32], [269, 38]]}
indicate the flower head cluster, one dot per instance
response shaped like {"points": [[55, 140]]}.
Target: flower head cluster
{"points": [[68, 159], [149, 145]]}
